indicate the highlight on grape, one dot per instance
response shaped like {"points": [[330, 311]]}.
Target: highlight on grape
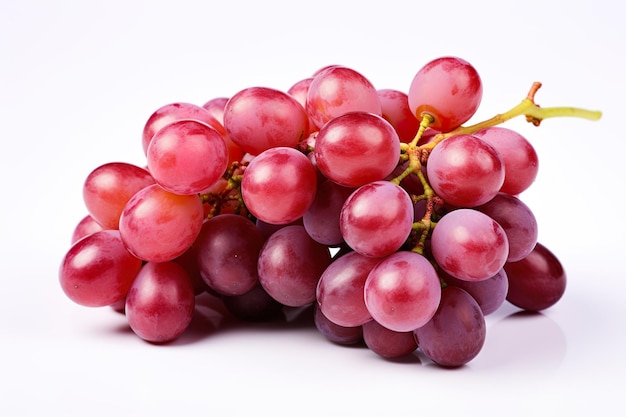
{"points": [[379, 212]]}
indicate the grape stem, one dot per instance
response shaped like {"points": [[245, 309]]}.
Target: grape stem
{"points": [[418, 154]]}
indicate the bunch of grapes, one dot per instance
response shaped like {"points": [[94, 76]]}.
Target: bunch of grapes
{"points": [[398, 227]]}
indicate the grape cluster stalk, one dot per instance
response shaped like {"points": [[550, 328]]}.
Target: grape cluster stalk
{"points": [[378, 211]]}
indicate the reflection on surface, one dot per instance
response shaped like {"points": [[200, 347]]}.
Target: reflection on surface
{"points": [[522, 342]]}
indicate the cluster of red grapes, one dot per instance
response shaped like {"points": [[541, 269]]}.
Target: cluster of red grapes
{"points": [[399, 227]]}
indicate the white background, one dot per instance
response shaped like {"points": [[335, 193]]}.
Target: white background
{"points": [[78, 80]]}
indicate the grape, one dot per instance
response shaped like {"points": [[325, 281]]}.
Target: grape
{"points": [[388, 343], [341, 335], [447, 88], [337, 90], [402, 291], [291, 264], [489, 293], [255, 305], [215, 107], [465, 171], [457, 331], [321, 220], [517, 220], [340, 290], [159, 226], [375, 229], [227, 251], [260, 118], [300, 91], [187, 157], [357, 148], [86, 226], [173, 112], [395, 109], [108, 188], [469, 245], [160, 303], [520, 159], [278, 186], [536, 282], [98, 270]]}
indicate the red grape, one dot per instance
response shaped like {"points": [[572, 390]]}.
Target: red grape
{"points": [[98, 270], [278, 186], [447, 88], [357, 148], [159, 226], [160, 303], [465, 171], [457, 331], [402, 291], [187, 157], [469, 245], [108, 188], [536, 282]]}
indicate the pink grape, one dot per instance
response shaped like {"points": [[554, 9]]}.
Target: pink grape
{"points": [[469, 245], [402, 291], [86, 226], [517, 220], [377, 218], [278, 186], [447, 88], [321, 220], [108, 188], [300, 91], [187, 157], [334, 332], [490, 293], [159, 226], [215, 107], [227, 251], [536, 282], [457, 331], [291, 264], [337, 90], [160, 303], [260, 118], [98, 270], [465, 171], [340, 290], [357, 148], [388, 343], [176, 111], [520, 159], [395, 109]]}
